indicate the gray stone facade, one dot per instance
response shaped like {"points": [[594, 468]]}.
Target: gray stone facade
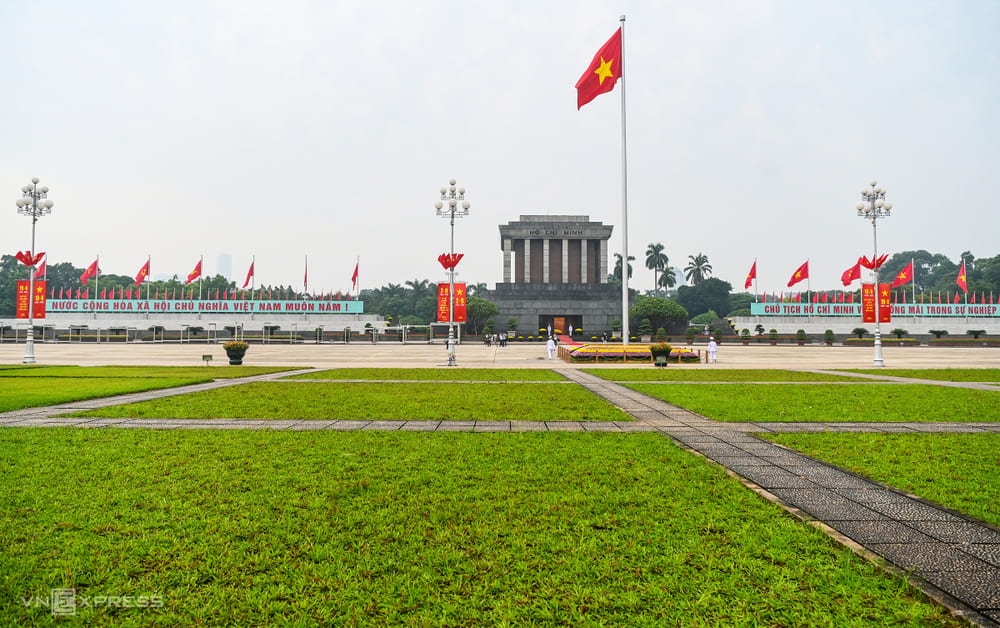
{"points": [[555, 272]]}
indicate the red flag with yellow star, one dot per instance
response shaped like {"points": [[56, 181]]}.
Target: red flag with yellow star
{"points": [[602, 73], [904, 276], [961, 280]]}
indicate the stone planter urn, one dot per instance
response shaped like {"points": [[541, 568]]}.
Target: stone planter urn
{"points": [[235, 350]]}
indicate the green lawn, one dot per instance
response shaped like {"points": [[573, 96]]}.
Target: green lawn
{"points": [[200, 373], [291, 528], [379, 401], [949, 375], [830, 402], [960, 471], [438, 374], [669, 374], [17, 393]]}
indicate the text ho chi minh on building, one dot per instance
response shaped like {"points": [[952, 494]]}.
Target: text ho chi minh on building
{"points": [[555, 273]]}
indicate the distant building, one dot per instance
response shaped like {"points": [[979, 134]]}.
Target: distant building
{"points": [[555, 274], [224, 265]]}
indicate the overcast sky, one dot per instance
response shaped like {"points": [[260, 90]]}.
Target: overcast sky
{"points": [[278, 130]]}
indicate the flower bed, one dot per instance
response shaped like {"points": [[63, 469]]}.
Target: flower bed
{"points": [[964, 342], [621, 353], [886, 340]]}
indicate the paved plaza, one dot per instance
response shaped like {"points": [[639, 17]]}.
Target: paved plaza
{"points": [[952, 557]]}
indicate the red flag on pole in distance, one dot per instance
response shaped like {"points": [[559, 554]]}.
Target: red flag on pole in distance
{"points": [[249, 275], [86, 293], [751, 275], [956, 296], [816, 297], [602, 73], [40, 271], [194, 274], [104, 293], [973, 301], [904, 276], [801, 273], [961, 280], [90, 272], [824, 297], [354, 277]]}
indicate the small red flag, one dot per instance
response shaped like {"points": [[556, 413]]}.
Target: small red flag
{"points": [[824, 298], [354, 277], [956, 296], [602, 73], [973, 301], [799, 275], [751, 275], [904, 276], [105, 292], [86, 293], [142, 274], [40, 271], [249, 275]]}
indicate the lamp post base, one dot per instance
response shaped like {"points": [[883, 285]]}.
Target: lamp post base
{"points": [[451, 346], [878, 361], [29, 348]]}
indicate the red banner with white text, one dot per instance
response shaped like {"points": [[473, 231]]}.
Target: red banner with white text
{"points": [[23, 288]]}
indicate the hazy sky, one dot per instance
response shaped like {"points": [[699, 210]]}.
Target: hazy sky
{"points": [[180, 129]]}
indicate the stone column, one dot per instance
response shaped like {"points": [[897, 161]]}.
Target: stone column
{"points": [[527, 260], [565, 264], [506, 260], [603, 272], [584, 244], [545, 260]]}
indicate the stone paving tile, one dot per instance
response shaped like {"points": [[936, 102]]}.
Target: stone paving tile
{"points": [[771, 478], [347, 426], [980, 587], [626, 426], [387, 426], [987, 552], [600, 426], [957, 531], [928, 557], [305, 426], [419, 426], [830, 477], [867, 532], [564, 426], [528, 426], [492, 426], [873, 495], [826, 506], [913, 511], [456, 426], [130, 425]]}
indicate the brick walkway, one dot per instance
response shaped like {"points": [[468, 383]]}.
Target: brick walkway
{"points": [[955, 558]]}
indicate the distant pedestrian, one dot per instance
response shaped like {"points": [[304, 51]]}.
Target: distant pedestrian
{"points": [[551, 346], [713, 348]]}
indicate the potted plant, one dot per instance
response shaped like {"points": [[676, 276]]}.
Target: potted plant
{"points": [[800, 337], [773, 335], [661, 335], [828, 337], [745, 336], [235, 349], [661, 353], [689, 335]]}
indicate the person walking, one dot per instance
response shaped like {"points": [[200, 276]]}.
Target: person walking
{"points": [[551, 346], [713, 348]]}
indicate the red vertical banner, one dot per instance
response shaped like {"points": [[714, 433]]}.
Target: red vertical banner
{"points": [[23, 298], [443, 303], [868, 303], [884, 306]]}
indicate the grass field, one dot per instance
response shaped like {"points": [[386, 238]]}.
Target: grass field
{"points": [[379, 401], [948, 375], [238, 528], [960, 471], [830, 402], [437, 374]]}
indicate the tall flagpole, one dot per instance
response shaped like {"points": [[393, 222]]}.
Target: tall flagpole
{"points": [[625, 330], [913, 280], [97, 277]]}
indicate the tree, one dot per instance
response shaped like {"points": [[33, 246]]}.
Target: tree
{"points": [[616, 276], [660, 312], [709, 294], [656, 261], [477, 311], [698, 269], [475, 289], [667, 279]]}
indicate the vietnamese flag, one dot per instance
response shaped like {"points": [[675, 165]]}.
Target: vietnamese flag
{"points": [[816, 297], [602, 73], [961, 280], [850, 298], [143, 274], [105, 292], [128, 295], [86, 293], [823, 300], [40, 271], [194, 274], [852, 273], [799, 275], [249, 276], [973, 301], [956, 297], [92, 272], [904, 276], [751, 275]]}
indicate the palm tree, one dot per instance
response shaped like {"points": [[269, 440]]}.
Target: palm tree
{"points": [[476, 289], [698, 268], [617, 274], [656, 261], [668, 279]]}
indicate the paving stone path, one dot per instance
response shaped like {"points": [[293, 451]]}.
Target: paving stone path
{"points": [[953, 557]]}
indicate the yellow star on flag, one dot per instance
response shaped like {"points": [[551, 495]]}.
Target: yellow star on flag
{"points": [[604, 70]]}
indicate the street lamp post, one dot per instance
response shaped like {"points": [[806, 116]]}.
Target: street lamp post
{"points": [[33, 203], [872, 207], [449, 206]]}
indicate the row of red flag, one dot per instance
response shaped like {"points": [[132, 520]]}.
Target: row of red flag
{"points": [[854, 273], [171, 294], [897, 298], [93, 270]]}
